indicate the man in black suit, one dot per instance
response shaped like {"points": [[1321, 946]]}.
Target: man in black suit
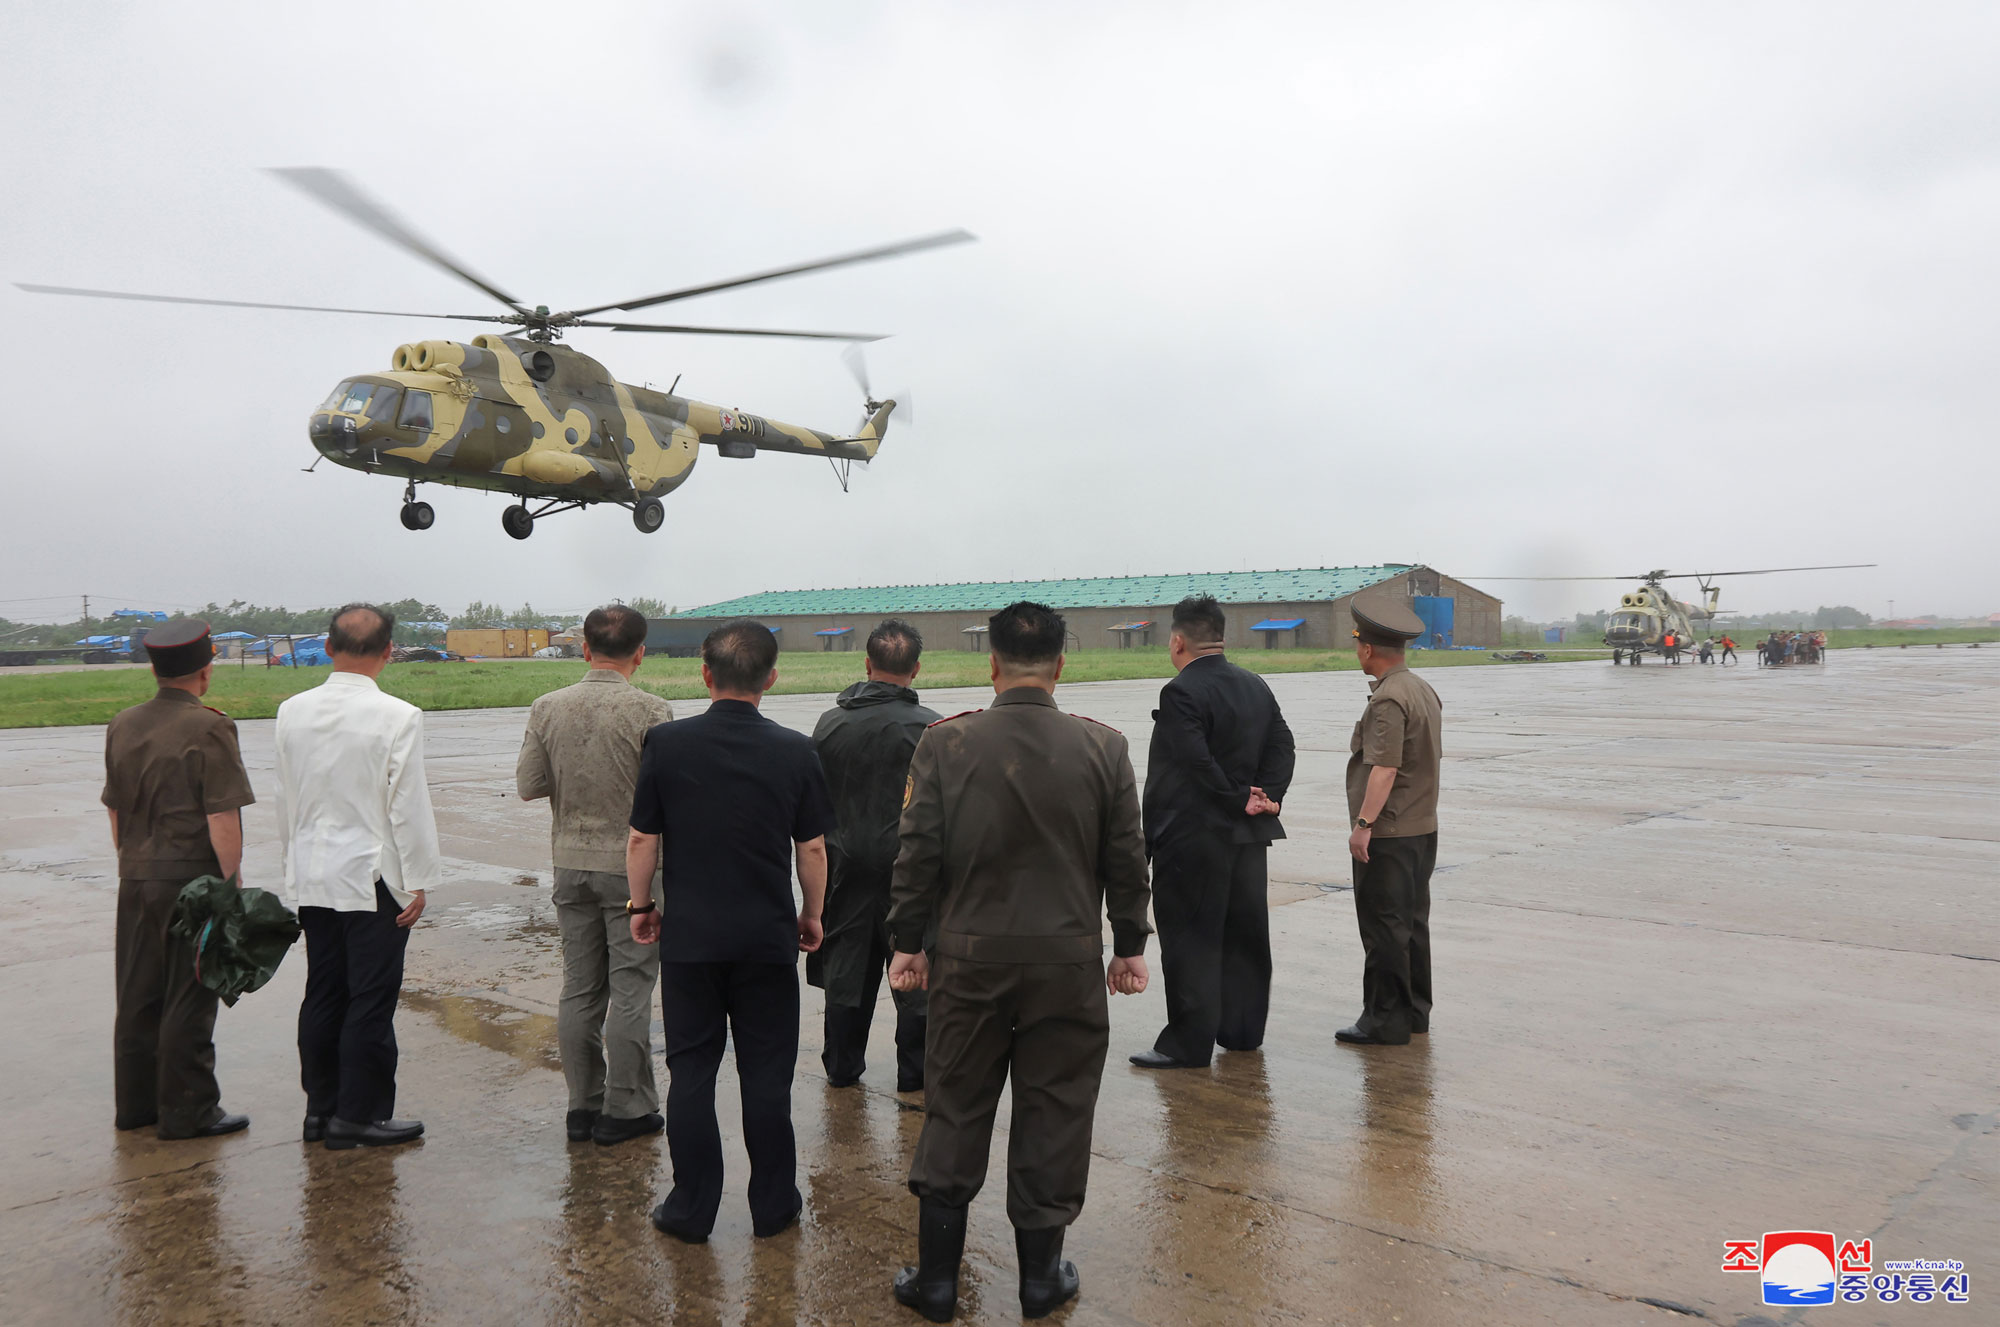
{"points": [[727, 804], [1220, 763]]}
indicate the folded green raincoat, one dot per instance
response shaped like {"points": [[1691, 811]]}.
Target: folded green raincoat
{"points": [[239, 935]]}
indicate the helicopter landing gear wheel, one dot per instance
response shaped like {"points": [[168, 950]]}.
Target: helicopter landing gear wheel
{"points": [[1617, 657], [649, 515], [517, 521], [418, 516]]}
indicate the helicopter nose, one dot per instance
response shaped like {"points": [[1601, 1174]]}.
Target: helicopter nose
{"points": [[339, 432]]}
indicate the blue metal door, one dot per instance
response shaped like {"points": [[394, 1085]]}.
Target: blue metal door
{"points": [[1436, 612]]}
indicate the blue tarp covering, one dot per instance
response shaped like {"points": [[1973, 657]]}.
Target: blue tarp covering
{"points": [[1279, 624], [834, 631], [1130, 626], [1437, 612], [150, 614]]}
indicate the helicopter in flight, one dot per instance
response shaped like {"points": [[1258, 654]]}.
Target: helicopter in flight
{"points": [[1647, 616], [517, 412]]}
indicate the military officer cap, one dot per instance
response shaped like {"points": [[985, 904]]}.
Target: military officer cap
{"points": [[1383, 620], [180, 647]]}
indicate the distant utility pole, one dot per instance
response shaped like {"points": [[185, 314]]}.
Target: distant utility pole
{"points": [[1892, 610], [86, 615]]}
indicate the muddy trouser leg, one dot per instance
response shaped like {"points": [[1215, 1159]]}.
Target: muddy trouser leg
{"points": [[323, 1009], [694, 1010], [140, 968], [190, 1098], [968, 1045], [1384, 908], [1420, 932], [586, 987], [1246, 952], [375, 950], [763, 1000], [1061, 1033], [1191, 889], [634, 972]]}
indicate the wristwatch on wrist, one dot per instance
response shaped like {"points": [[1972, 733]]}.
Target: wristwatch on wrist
{"points": [[1361, 822], [634, 910]]}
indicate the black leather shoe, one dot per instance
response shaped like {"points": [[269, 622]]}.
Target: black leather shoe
{"points": [[1354, 1036], [343, 1134], [315, 1129], [610, 1129], [226, 1124], [1161, 1060], [1047, 1281], [665, 1226], [843, 1082], [578, 1125], [931, 1287]]}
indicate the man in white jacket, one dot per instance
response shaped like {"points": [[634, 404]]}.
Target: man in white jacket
{"points": [[360, 852]]}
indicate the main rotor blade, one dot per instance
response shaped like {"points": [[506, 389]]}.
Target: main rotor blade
{"points": [[1763, 571], [254, 304], [725, 331], [936, 241], [1469, 579], [345, 197]]}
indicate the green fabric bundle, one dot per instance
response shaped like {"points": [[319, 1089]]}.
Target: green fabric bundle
{"points": [[239, 935]]}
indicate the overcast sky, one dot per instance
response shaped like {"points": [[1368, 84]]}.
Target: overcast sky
{"points": [[1508, 289]]}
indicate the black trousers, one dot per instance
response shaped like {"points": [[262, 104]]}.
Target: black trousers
{"points": [[703, 1005], [347, 1032], [844, 1049], [1212, 907], [1392, 906], [1048, 1026], [163, 1039]]}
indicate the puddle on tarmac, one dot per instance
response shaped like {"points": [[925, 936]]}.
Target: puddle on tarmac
{"points": [[529, 1038]]}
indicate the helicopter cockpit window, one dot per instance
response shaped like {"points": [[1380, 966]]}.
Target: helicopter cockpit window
{"points": [[382, 405], [1628, 621], [335, 397], [356, 399], [416, 411]]}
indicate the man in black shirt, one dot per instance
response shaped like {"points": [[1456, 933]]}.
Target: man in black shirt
{"points": [[726, 803]]}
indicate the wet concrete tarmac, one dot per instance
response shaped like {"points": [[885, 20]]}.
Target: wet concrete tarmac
{"points": [[1716, 954]]}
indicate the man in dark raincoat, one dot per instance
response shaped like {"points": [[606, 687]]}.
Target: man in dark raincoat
{"points": [[864, 744]]}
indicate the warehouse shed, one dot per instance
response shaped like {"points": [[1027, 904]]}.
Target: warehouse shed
{"points": [[1300, 609]]}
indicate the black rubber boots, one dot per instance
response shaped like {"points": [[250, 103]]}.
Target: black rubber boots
{"points": [[931, 1287], [1047, 1282]]}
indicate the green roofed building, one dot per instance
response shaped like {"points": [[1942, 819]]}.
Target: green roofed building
{"points": [[1303, 608]]}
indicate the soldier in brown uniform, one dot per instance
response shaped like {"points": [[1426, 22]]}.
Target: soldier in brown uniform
{"points": [[1392, 797], [1020, 831], [174, 785]]}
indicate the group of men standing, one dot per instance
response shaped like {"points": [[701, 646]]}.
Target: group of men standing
{"points": [[973, 859]]}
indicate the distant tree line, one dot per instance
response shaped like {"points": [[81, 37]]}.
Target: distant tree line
{"points": [[281, 621]]}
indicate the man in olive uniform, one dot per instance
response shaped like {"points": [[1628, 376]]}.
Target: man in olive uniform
{"points": [[1392, 797], [175, 786], [864, 745], [1020, 831]]}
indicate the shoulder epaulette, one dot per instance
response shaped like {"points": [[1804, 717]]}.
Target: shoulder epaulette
{"points": [[1099, 722], [949, 717], [212, 710]]}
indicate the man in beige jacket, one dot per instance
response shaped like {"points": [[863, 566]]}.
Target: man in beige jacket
{"points": [[582, 753]]}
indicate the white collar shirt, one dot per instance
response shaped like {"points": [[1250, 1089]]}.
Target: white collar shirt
{"points": [[353, 806]]}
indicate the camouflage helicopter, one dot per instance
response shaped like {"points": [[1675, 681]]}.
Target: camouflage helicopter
{"points": [[519, 413], [1645, 617]]}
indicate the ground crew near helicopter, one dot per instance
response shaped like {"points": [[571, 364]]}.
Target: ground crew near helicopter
{"points": [[175, 786], [1392, 797], [1021, 830], [1728, 650]]}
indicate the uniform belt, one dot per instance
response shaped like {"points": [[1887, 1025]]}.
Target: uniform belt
{"points": [[1021, 948]]}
